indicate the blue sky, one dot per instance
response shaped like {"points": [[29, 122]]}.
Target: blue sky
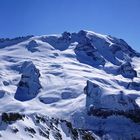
{"points": [[120, 18]]}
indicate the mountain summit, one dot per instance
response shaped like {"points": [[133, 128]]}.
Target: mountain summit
{"points": [[71, 86]]}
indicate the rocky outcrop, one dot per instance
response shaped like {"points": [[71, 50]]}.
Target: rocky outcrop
{"points": [[66, 36], [127, 71], [104, 113], [104, 105], [110, 48], [38, 126], [93, 93], [2, 93], [134, 86], [32, 46], [87, 53], [92, 48], [61, 42], [29, 85], [119, 45], [80, 37], [11, 117], [4, 42]]}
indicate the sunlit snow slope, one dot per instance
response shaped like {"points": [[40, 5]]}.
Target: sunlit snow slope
{"points": [[88, 79]]}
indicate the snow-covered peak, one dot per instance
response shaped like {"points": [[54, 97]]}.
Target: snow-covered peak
{"points": [[111, 49], [48, 75]]}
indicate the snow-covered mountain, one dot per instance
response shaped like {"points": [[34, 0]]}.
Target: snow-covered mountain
{"points": [[72, 86]]}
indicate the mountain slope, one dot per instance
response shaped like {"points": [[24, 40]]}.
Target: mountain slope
{"points": [[88, 79]]}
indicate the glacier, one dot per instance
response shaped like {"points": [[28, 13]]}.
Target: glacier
{"points": [[69, 86]]}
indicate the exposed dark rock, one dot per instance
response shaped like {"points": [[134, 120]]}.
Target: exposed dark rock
{"points": [[117, 43], [30, 130], [5, 83], [11, 117], [32, 46], [86, 53], [61, 42], [29, 84], [66, 36], [87, 136], [2, 93], [134, 86], [40, 119], [73, 131], [14, 130], [93, 93], [44, 134], [122, 105], [46, 126], [127, 71], [57, 135], [8, 42], [104, 113], [80, 37]]}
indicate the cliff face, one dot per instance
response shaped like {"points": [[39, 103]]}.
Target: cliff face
{"points": [[29, 84], [96, 97]]}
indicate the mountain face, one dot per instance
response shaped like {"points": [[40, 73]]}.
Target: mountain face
{"points": [[72, 86]]}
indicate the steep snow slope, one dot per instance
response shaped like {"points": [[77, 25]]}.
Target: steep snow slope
{"points": [[48, 74]]}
